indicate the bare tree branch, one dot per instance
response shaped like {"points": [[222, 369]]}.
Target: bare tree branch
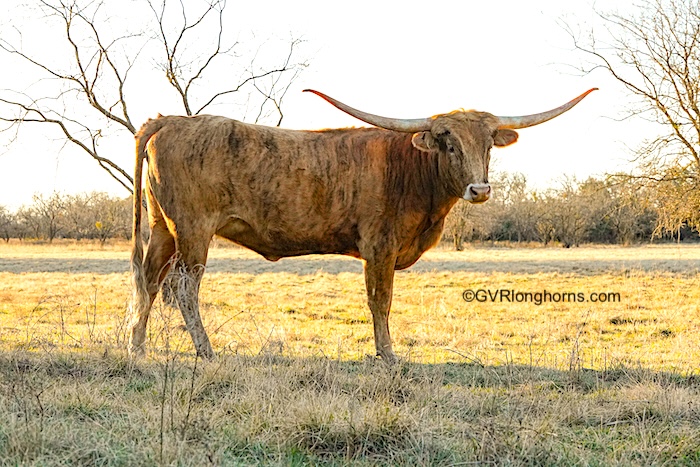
{"points": [[105, 163], [655, 54], [94, 75]]}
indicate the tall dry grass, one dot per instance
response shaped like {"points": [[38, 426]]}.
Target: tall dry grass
{"points": [[295, 383]]}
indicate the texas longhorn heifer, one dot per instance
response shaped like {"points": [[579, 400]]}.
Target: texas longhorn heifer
{"points": [[378, 194]]}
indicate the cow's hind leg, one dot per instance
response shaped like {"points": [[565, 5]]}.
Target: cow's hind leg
{"points": [[188, 276], [161, 248]]}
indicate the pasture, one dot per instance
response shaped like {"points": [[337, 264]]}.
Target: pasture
{"points": [[604, 370]]}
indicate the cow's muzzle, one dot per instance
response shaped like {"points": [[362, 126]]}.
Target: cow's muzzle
{"points": [[477, 192]]}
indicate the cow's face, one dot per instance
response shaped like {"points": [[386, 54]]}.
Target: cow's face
{"points": [[464, 141]]}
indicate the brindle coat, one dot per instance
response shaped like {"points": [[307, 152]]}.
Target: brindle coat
{"points": [[370, 193]]}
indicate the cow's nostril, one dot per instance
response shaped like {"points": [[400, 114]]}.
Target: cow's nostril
{"points": [[479, 191]]}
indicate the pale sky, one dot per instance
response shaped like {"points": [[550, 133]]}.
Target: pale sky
{"points": [[397, 59]]}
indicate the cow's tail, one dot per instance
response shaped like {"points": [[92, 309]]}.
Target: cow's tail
{"points": [[140, 287]]}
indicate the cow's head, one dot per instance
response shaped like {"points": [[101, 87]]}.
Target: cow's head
{"points": [[463, 140]]}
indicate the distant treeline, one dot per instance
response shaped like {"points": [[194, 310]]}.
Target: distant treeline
{"points": [[613, 211], [617, 210], [84, 216]]}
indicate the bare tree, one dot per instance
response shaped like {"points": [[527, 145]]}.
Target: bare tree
{"points": [[655, 53], [90, 91], [631, 212], [519, 207], [543, 217], [7, 220], [571, 213], [111, 216], [677, 202], [28, 223], [459, 224], [78, 215], [50, 212]]}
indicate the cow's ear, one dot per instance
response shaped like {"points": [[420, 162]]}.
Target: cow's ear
{"points": [[424, 141], [504, 137]]}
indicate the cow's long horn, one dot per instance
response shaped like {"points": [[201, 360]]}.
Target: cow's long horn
{"points": [[532, 120], [396, 124]]}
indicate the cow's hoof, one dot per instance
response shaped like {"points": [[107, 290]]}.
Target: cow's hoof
{"points": [[388, 357], [207, 355], [137, 351]]}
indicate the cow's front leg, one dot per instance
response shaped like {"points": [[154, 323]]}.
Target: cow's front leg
{"points": [[379, 279]]}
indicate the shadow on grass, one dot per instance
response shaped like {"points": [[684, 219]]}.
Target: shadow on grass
{"points": [[279, 410], [332, 264]]}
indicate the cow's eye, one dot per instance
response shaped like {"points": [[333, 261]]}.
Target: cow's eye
{"points": [[451, 149]]}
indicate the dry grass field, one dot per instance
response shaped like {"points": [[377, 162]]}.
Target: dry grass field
{"points": [[518, 376]]}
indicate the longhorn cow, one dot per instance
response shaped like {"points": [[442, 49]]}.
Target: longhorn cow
{"points": [[378, 194]]}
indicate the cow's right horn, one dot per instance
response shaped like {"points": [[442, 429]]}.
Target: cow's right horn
{"points": [[396, 124]]}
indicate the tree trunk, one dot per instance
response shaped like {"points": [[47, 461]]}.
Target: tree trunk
{"points": [[457, 239]]}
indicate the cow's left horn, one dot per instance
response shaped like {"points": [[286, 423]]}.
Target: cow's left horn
{"points": [[532, 120], [396, 124]]}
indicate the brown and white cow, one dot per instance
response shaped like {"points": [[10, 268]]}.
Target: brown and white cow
{"points": [[377, 194]]}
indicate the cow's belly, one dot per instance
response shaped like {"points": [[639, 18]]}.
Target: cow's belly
{"points": [[281, 244]]}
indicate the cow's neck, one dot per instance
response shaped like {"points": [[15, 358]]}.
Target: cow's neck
{"points": [[417, 188], [415, 180]]}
